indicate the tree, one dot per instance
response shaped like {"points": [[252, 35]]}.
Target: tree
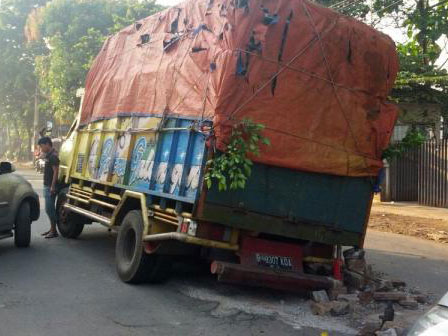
{"points": [[50, 45], [74, 32], [420, 79], [18, 84]]}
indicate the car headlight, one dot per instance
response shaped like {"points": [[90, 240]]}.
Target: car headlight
{"points": [[433, 323]]}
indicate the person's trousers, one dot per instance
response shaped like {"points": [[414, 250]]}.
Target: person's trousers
{"points": [[50, 204]]}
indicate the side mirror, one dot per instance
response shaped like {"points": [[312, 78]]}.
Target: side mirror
{"points": [[6, 168]]}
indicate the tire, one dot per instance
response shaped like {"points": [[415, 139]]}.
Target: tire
{"points": [[22, 230], [133, 264], [70, 225]]}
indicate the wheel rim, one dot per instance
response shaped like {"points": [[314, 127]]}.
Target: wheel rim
{"points": [[129, 243]]}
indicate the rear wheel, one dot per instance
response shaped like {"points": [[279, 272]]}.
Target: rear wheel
{"points": [[70, 225], [133, 264], [22, 230]]}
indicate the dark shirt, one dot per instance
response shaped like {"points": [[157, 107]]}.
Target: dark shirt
{"points": [[51, 160]]}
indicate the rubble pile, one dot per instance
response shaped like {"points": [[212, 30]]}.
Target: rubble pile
{"points": [[378, 307]]}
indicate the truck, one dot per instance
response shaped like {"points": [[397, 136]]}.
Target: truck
{"points": [[161, 101]]}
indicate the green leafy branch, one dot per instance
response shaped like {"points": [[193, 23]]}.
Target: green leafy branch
{"points": [[233, 167], [413, 139]]}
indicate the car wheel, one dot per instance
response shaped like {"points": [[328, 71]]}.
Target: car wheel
{"points": [[133, 264], [70, 225], [22, 230]]}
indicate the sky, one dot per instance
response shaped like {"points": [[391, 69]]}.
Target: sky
{"points": [[168, 2]]}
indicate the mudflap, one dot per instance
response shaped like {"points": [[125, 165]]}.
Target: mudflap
{"points": [[271, 264]]}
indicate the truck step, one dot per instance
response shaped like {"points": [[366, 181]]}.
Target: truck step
{"points": [[4, 235], [97, 218], [183, 237]]}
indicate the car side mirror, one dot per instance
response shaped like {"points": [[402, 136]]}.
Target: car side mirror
{"points": [[6, 168]]}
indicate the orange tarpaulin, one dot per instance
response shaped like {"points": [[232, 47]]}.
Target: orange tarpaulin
{"points": [[316, 79]]}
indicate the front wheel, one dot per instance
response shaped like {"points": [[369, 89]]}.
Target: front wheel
{"points": [[70, 225], [133, 264], [22, 230]]}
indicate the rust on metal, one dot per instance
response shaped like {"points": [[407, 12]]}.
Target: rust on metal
{"points": [[269, 278]]}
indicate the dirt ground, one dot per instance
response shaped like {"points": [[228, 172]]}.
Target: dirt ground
{"points": [[410, 220]]}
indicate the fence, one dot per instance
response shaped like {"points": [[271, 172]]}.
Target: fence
{"points": [[421, 175], [403, 175], [433, 173]]}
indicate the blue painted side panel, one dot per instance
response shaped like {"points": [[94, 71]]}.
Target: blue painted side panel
{"points": [[167, 165]]}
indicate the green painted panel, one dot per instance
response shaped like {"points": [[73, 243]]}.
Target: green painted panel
{"points": [[277, 226], [337, 202]]}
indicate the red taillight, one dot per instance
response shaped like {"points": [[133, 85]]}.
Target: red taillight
{"points": [[184, 227]]}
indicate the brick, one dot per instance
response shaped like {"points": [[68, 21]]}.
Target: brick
{"points": [[352, 298], [354, 253], [356, 265], [333, 293], [383, 285], [369, 328], [365, 297], [335, 308], [320, 309], [420, 298], [320, 296], [389, 296], [388, 332], [408, 304], [354, 280], [398, 283], [340, 308]]}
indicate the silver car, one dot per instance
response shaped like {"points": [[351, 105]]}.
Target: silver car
{"points": [[19, 206], [434, 322]]}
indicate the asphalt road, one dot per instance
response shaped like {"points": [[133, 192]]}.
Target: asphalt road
{"points": [[69, 287], [422, 264]]}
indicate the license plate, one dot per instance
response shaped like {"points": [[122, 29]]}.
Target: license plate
{"points": [[271, 261]]}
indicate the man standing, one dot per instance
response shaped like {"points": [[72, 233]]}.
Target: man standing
{"points": [[51, 172]]}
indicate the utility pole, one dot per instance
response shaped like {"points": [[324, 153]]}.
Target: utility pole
{"points": [[36, 116]]}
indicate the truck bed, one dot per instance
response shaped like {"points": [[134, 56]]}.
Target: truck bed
{"points": [[165, 160]]}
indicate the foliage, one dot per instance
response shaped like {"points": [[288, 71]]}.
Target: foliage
{"points": [[51, 45], [420, 79], [18, 83], [74, 32], [413, 139], [234, 167]]}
